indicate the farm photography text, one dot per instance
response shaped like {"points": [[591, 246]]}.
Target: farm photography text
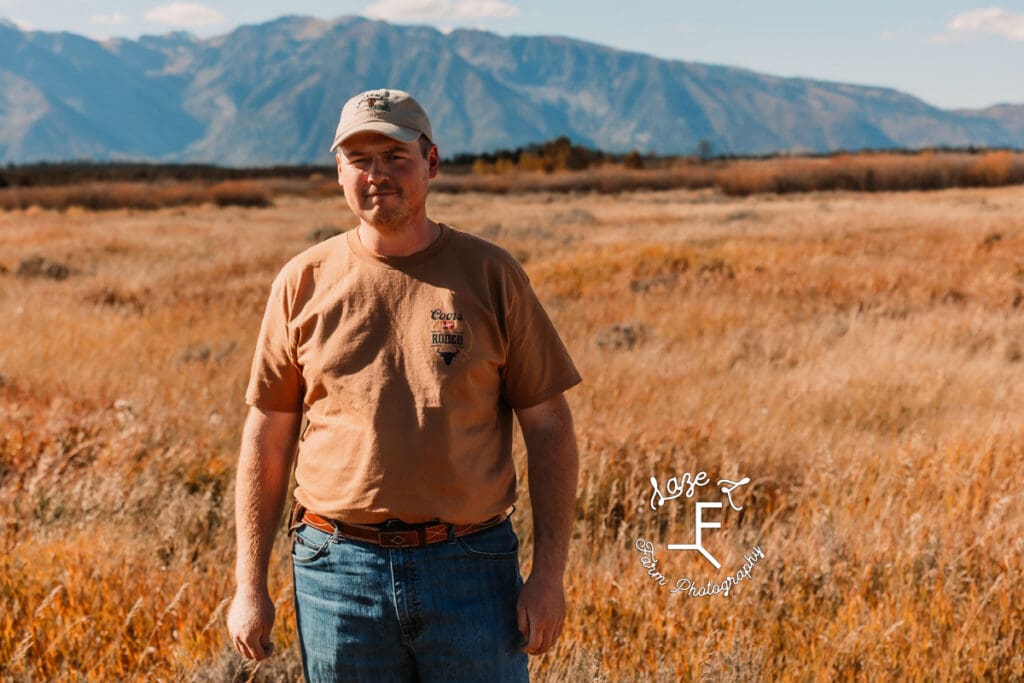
{"points": [[687, 486]]}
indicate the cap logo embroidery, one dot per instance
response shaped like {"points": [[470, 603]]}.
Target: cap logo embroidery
{"points": [[378, 102]]}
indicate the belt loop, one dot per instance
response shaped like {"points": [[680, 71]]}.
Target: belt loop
{"points": [[451, 533], [336, 536], [295, 518]]}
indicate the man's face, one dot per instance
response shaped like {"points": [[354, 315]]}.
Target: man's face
{"points": [[385, 180]]}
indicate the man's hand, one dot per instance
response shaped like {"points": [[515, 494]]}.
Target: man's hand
{"points": [[250, 620], [541, 611]]}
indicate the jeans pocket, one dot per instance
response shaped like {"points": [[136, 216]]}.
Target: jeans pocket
{"points": [[310, 544], [497, 543]]}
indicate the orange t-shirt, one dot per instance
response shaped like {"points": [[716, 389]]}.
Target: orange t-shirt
{"points": [[408, 369]]}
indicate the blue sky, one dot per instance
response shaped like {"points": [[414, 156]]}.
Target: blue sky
{"points": [[951, 54]]}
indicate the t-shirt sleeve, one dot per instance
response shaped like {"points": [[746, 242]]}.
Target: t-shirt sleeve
{"points": [[275, 381], [537, 366]]}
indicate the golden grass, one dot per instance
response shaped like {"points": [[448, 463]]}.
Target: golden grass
{"points": [[859, 356]]}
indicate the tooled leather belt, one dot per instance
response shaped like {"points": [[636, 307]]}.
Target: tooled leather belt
{"points": [[404, 536]]}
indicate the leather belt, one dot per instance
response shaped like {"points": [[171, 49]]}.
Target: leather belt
{"points": [[404, 536]]}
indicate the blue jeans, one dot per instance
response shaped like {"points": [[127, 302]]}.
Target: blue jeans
{"points": [[442, 612]]}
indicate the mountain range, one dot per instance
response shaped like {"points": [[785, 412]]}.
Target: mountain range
{"points": [[271, 93]]}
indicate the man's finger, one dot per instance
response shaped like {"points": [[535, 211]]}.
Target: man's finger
{"points": [[546, 642], [258, 654], [256, 651], [266, 644], [243, 649], [536, 638], [523, 622]]}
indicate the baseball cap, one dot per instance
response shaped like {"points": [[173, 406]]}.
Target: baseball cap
{"points": [[393, 113]]}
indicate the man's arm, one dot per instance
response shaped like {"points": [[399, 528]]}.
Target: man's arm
{"points": [[264, 468], [553, 466]]}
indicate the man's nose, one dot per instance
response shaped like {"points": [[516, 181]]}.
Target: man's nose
{"points": [[376, 170]]}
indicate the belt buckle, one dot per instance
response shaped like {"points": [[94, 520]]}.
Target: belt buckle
{"points": [[407, 538]]}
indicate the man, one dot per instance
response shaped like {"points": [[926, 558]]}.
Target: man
{"points": [[408, 346]]}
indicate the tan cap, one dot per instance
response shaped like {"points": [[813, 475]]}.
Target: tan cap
{"points": [[393, 113]]}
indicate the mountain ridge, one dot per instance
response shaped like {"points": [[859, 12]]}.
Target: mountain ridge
{"points": [[270, 93]]}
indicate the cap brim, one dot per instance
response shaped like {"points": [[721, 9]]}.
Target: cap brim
{"points": [[383, 127]]}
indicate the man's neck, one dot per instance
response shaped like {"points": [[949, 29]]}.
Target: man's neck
{"points": [[405, 242]]}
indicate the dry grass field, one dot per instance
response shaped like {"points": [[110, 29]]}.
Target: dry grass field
{"points": [[860, 357]]}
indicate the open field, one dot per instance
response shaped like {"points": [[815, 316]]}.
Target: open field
{"points": [[859, 356]]}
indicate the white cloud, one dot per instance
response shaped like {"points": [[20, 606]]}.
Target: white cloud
{"points": [[433, 10], [184, 15], [115, 19], [992, 21]]}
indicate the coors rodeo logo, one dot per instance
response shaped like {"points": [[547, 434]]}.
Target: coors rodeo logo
{"points": [[450, 335]]}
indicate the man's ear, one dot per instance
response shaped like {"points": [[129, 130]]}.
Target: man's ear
{"points": [[337, 158], [433, 161]]}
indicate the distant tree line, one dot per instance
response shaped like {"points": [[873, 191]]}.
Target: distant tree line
{"points": [[560, 154], [74, 172]]}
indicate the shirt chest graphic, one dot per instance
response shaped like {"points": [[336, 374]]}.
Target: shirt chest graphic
{"points": [[449, 335]]}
